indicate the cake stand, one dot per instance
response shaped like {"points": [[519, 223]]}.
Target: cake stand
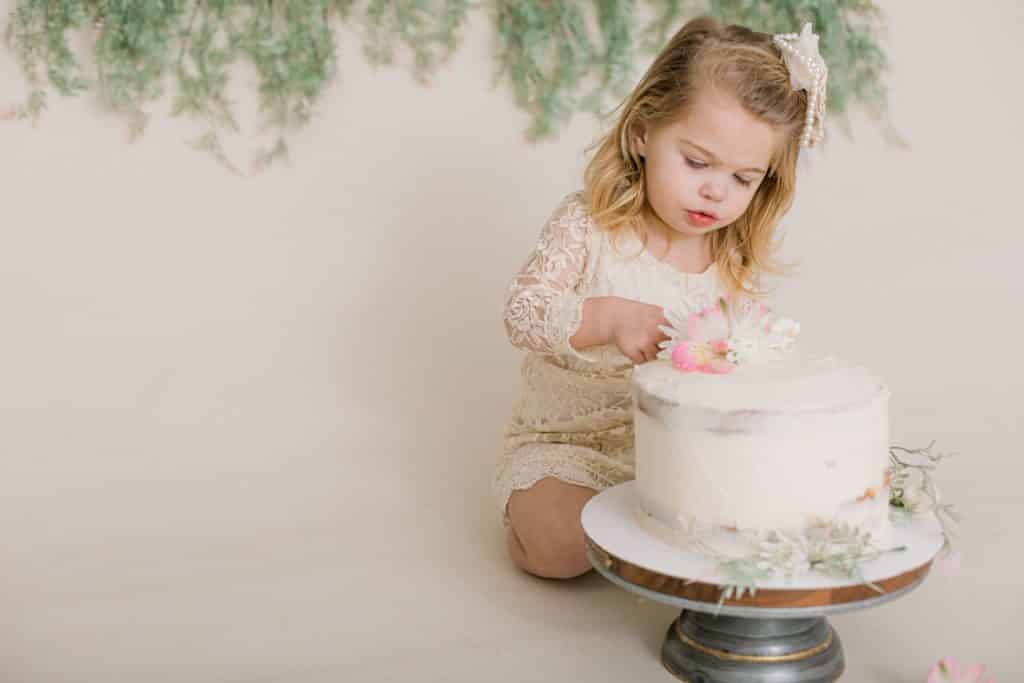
{"points": [[780, 634]]}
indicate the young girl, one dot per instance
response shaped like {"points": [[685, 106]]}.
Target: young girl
{"points": [[681, 198]]}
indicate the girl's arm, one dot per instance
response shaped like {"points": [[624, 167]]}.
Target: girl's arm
{"points": [[543, 309], [634, 327], [596, 327]]}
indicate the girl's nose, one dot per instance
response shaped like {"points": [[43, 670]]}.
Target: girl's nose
{"points": [[712, 191]]}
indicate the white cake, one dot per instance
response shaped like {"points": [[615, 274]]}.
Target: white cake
{"points": [[786, 444]]}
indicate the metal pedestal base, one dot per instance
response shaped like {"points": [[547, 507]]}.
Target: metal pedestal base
{"points": [[702, 648]]}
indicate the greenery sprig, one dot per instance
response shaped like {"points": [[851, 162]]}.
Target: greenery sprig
{"points": [[559, 57], [840, 549], [913, 489]]}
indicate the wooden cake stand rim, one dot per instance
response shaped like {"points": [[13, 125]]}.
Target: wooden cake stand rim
{"points": [[777, 598]]}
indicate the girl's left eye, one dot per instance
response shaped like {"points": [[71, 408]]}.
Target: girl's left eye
{"points": [[693, 163]]}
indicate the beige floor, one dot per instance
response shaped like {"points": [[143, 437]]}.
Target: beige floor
{"points": [[108, 584], [249, 424]]}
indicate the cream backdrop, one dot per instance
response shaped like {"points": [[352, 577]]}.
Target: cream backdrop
{"points": [[249, 423]]}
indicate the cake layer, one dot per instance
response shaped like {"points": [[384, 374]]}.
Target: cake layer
{"points": [[794, 382], [783, 445]]}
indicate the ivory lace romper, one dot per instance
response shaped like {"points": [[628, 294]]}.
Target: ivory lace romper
{"points": [[574, 418]]}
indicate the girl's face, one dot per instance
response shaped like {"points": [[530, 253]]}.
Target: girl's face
{"points": [[702, 169]]}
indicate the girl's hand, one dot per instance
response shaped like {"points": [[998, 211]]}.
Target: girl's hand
{"points": [[634, 328]]}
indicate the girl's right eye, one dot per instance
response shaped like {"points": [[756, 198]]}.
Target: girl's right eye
{"points": [[693, 163]]}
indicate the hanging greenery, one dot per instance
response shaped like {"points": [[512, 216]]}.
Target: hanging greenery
{"points": [[558, 56]]}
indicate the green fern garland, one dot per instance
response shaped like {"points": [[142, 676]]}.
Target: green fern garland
{"points": [[430, 30], [559, 57]]}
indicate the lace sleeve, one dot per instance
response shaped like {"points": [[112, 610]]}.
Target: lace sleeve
{"points": [[543, 309]]}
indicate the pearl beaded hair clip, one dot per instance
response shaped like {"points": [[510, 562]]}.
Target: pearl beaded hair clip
{"points": [[807, 71]]}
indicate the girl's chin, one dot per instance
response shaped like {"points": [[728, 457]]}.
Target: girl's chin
{"points": [[687, 230]]}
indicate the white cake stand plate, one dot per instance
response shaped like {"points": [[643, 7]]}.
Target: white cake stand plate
{"points": [[780, 633]]}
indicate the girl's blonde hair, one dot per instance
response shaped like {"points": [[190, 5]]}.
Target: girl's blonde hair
{"points": [[734, 60]]}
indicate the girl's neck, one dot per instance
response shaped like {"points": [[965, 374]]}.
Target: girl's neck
{"points": [[685, 254]]}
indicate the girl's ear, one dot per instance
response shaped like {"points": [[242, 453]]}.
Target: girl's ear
{"points": [[640, 142]]}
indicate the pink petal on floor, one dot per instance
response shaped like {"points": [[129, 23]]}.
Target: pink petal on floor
{"points": [[945, 670], [973, 673]]}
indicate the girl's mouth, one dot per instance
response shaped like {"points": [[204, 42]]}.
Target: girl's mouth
{"points": [[699, 219]]}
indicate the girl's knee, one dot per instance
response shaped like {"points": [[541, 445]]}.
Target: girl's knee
{"points": [[549, 556], [545, 537]]}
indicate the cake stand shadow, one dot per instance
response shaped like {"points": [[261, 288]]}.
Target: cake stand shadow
{"points": [[780, 634]]}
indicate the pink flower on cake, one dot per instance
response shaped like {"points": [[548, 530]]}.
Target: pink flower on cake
{"points": [[947, 670], [706, 344], [715, 336], [701, 358]]}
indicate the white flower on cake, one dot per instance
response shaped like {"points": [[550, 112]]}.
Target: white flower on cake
{"points": [[716, 336], [915, 491]]}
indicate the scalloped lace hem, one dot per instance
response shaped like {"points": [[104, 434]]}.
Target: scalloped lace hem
{"points": [[572, 464]]}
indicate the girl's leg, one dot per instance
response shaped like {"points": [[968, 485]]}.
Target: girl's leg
{"points": [[546, 537]]}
